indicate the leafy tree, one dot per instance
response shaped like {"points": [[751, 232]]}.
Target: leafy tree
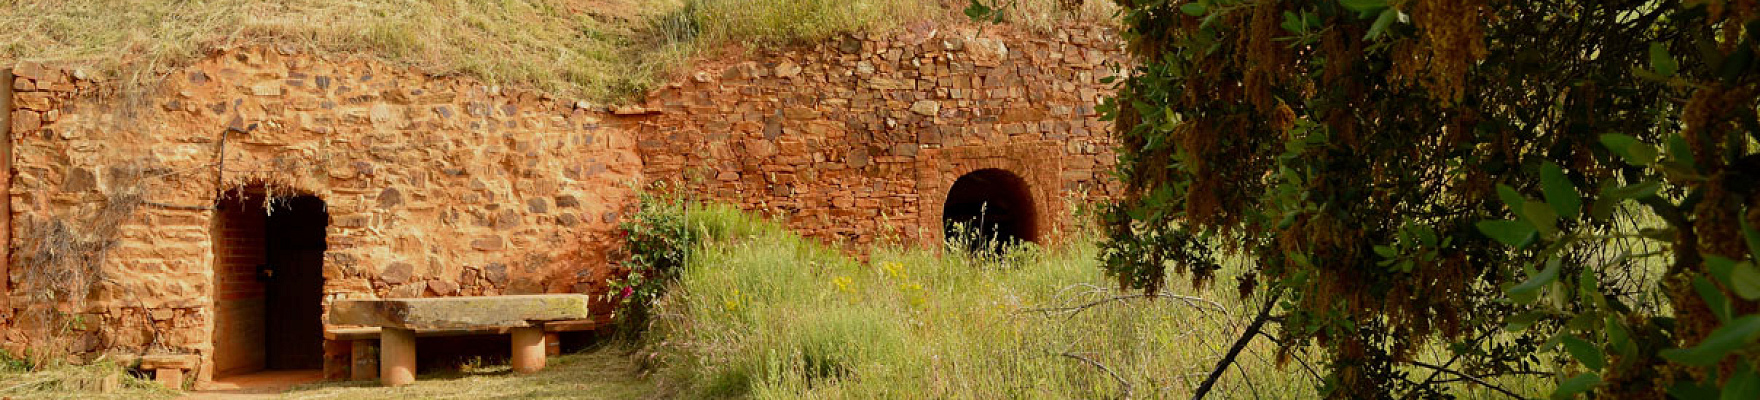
{"points": [[1564, 187]]}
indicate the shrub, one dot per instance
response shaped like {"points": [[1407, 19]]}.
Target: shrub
{"points": [[659, 241]]}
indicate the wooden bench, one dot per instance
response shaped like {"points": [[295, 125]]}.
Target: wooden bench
{"points": [[397, 322]]}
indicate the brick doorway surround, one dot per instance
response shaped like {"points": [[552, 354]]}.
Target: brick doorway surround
{"points": [[1038, 163]]}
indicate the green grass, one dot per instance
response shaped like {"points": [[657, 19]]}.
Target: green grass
{"points": [[768, 314], [602, 50]]}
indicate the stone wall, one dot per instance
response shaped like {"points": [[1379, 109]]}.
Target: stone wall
{"points": [[443, 186], [434, 186], [859, 138]]}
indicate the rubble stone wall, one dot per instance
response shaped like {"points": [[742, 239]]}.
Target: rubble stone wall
{"points": [[444, 186], [434, 186], [860, 138]]}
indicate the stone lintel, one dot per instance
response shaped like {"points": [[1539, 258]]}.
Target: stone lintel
{"points": [[170, 361], [513, 311]]}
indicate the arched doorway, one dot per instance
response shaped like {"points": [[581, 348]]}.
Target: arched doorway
{"points": [[988, 208], [269, 282]]}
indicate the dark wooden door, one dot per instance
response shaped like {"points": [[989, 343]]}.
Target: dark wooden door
{"points": [[295, 286]]}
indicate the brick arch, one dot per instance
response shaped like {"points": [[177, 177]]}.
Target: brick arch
{"points": [[997, 202], [1037, 164]]}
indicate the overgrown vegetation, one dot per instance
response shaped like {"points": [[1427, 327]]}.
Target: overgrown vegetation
{"points": [[105, 380], [1561, 188], [61, 265], [759, 311], [603, 50], [657, 242]]}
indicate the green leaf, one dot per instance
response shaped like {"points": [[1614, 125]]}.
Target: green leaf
{"points": [[1729, 337], [1721, 267], [1589, 288], [1559, 191], [1386, 251], [1585, 352], [1511, 198], [1542, 216], [1363, 5], [1744, 279], [1527, 291], [1681, 153], [1194, 9], [1619, 337], [1521, 322], [1513, 233], [1387, 17], [1689, 389], [1629, 148], [976, 11], [1742, 385], [1638, 190], [1713, 297], [1752, 236], [1576, 385], [1292, 23], [1661, 61]]}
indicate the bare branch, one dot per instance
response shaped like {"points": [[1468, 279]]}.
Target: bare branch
{"points": [[1078, 309], [1239, 344], [1471, 378], [1121, 381]]}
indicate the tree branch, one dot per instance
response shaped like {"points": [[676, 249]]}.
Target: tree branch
{"points": [[1474, 379], [1121, 381], [1239, 344]]}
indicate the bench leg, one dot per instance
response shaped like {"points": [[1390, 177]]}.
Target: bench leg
{"points": [[364, 359], [552, 344], [397, 356], [528, 350], [172, 378], [336, 365]]}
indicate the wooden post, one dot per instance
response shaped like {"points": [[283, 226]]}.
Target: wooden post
{"points": [[552, 344], [528, 349], [365, 361], [397, 356]]}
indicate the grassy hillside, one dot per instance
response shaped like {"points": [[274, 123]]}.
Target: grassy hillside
{"points": [[596, 49]]}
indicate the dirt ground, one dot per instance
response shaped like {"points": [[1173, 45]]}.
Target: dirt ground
{"points": [[601, 373]]}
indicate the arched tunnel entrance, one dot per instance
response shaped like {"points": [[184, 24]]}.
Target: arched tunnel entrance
{"points": [[989, 208]]}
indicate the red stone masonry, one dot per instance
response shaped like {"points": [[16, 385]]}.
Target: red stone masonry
{"points": [[444, 186], [434, 186], [861, 137]]}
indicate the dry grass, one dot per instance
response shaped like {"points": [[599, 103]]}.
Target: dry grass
{"points": [[102, 380], [583, 48], [601, 373], [604, 50]]}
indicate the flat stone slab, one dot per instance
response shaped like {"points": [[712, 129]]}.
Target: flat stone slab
{"points": [[512, 311]]}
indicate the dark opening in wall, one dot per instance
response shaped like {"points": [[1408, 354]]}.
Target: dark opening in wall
{"points": [[269, 283], [989, 208]]}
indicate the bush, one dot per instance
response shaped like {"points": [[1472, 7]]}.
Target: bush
{"points": [[658, 240]]}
